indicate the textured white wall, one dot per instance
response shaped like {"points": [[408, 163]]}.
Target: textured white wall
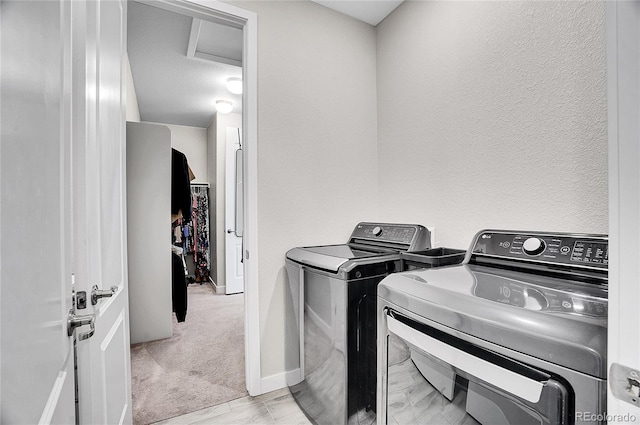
{"points": [[192, 142], [493, 114], [317, 155]]}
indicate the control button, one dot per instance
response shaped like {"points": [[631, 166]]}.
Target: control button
{"points": [[377, 231], [565, 250], [535, 300], [533, 246]]}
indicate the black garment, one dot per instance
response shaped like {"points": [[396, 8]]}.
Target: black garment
{"points": [[180, 185], [179, 288]]}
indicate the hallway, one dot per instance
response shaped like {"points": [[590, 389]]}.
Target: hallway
{"points": [[201, 366]]}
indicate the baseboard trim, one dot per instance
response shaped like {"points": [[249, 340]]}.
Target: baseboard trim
{"points": [[273, 382], [218, 289], [293, 377], [280, 380]]}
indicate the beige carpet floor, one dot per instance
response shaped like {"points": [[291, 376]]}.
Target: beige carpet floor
{"points": [[201, 366]]}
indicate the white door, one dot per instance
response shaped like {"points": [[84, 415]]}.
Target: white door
{"points": [[62, 211], [37, 379], [99, 47], [234, 274]]}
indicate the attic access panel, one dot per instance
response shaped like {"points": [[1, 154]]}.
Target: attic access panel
{"points": [[215, 42]]}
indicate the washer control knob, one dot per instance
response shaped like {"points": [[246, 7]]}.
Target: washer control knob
{"points": [[533, 246], [377, 231], [534, 299]]}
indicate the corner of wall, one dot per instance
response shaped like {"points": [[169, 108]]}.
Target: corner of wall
{"points": [[211, 176], [133, 111]]}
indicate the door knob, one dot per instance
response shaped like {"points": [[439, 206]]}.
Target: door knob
{"points": [[96, 293], [74, 321]]}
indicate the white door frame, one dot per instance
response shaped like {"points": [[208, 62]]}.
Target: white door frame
{"points": [[623, 61], [248, 21]]}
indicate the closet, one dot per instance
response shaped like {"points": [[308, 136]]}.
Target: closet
{"points": [[165, 218]]}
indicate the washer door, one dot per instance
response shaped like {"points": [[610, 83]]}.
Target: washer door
{"points": [[433, 377]]}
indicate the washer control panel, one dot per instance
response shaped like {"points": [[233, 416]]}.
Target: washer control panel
{"points": [[392, 236], [540, 298], [385, 232], [567, 249]]}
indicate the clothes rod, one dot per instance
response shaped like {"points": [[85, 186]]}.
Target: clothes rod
{"points": [[200, 184]]}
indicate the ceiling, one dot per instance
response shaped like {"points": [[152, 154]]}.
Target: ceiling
{"points": [[369, 11], [180, 64]]}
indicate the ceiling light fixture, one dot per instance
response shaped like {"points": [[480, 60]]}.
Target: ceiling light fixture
{"points": [[234, 85], [224, 106]]}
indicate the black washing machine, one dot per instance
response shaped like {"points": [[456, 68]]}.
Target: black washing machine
{"points": [[331, 319]]}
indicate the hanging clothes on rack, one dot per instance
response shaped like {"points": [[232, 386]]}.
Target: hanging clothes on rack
{"points": [[180, 186], [198, 239], [181, 177], [178, 272], [178, 288]]}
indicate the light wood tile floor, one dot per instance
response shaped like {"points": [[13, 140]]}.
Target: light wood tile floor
{"points": [[276, 407]]}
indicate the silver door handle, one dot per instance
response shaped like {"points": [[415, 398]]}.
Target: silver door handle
{"points": [[74, 321], [96, 293]]}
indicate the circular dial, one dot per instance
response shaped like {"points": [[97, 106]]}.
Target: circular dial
{"points": [[533, 246], [534, 299], [377, 231]]}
